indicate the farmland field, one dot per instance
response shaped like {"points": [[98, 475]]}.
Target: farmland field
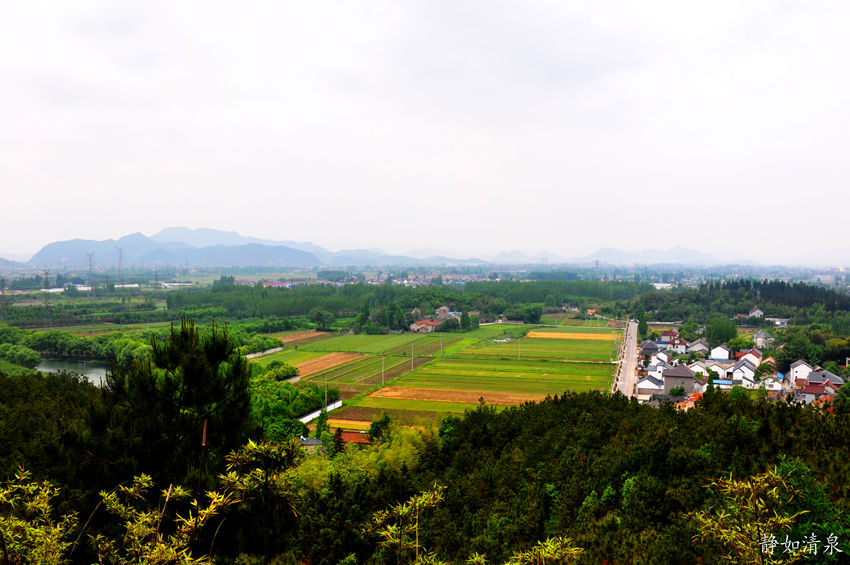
{"points": [[478, 364], [541, 377], [543, 348], [290, 356], [574, 335]]}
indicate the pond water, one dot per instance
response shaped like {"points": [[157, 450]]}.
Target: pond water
{"points": [[94, 371]]}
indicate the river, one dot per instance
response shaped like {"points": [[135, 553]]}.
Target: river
{"points": [[94, 371]]}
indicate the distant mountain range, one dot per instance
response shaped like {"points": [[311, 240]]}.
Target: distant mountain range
{"points": [[205, 247]]}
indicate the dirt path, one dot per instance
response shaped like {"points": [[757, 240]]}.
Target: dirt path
{"points": [[467, 396]]}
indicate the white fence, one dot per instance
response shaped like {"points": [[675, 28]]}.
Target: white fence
{"points": [[313, 415]]}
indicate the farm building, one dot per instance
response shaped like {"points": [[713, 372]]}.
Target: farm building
{"points": [[424, 326]]}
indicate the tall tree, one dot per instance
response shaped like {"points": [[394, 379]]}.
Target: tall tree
{"points": [[177, 413]]}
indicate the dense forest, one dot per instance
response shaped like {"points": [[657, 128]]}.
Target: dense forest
{"points": [[590, 476], [802, 303]]}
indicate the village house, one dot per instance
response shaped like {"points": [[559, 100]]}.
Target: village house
{"points": [[756, 312], [648, 347], [824, 376], [424, 326], [752, 355], [814, 391], [679, 376], [744, 374], [667, 336], [698, 346], [799, 371], [659, 356], [763, 339], [678, 345], [657, 369], [721, 352], [719, 369], [648, 386]]}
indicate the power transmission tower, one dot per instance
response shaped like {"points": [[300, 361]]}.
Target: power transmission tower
{"points": [[91, 270], [121, 265], [46, 284], [3, 295]]}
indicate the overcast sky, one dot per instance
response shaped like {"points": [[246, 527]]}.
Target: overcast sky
{"points": [[471, 127]]}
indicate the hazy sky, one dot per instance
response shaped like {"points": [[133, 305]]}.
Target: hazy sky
{"points": [[465, 126]]}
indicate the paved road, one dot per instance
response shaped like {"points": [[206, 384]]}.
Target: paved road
{"points": [[628, 365]]}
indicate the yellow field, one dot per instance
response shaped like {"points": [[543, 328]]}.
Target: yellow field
{"points": [[585, 336]]}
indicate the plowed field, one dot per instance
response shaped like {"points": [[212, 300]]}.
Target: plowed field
{"points": [[300, 336], [313, 366]]}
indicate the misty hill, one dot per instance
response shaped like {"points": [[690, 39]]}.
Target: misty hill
{"points": [[9, 265], [205, 247], [139, 249]]}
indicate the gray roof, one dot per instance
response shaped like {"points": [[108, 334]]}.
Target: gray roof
{"points": [[678, 371], [823, 376], [651, 380], [800, 362], [309, 441], [723, 346], [762, 334], [744, 363]]}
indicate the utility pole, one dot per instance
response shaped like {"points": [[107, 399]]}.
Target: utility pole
{"points": [[411, 357], [382, 370], [441, 346], [517, 348]]}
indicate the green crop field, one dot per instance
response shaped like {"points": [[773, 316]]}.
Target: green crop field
{"points": [[395, 344], [525, 377], [291, 356], [103, 327], [542, 348]]}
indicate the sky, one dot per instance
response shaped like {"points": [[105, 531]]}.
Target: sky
{"points": [[468, 127]]}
